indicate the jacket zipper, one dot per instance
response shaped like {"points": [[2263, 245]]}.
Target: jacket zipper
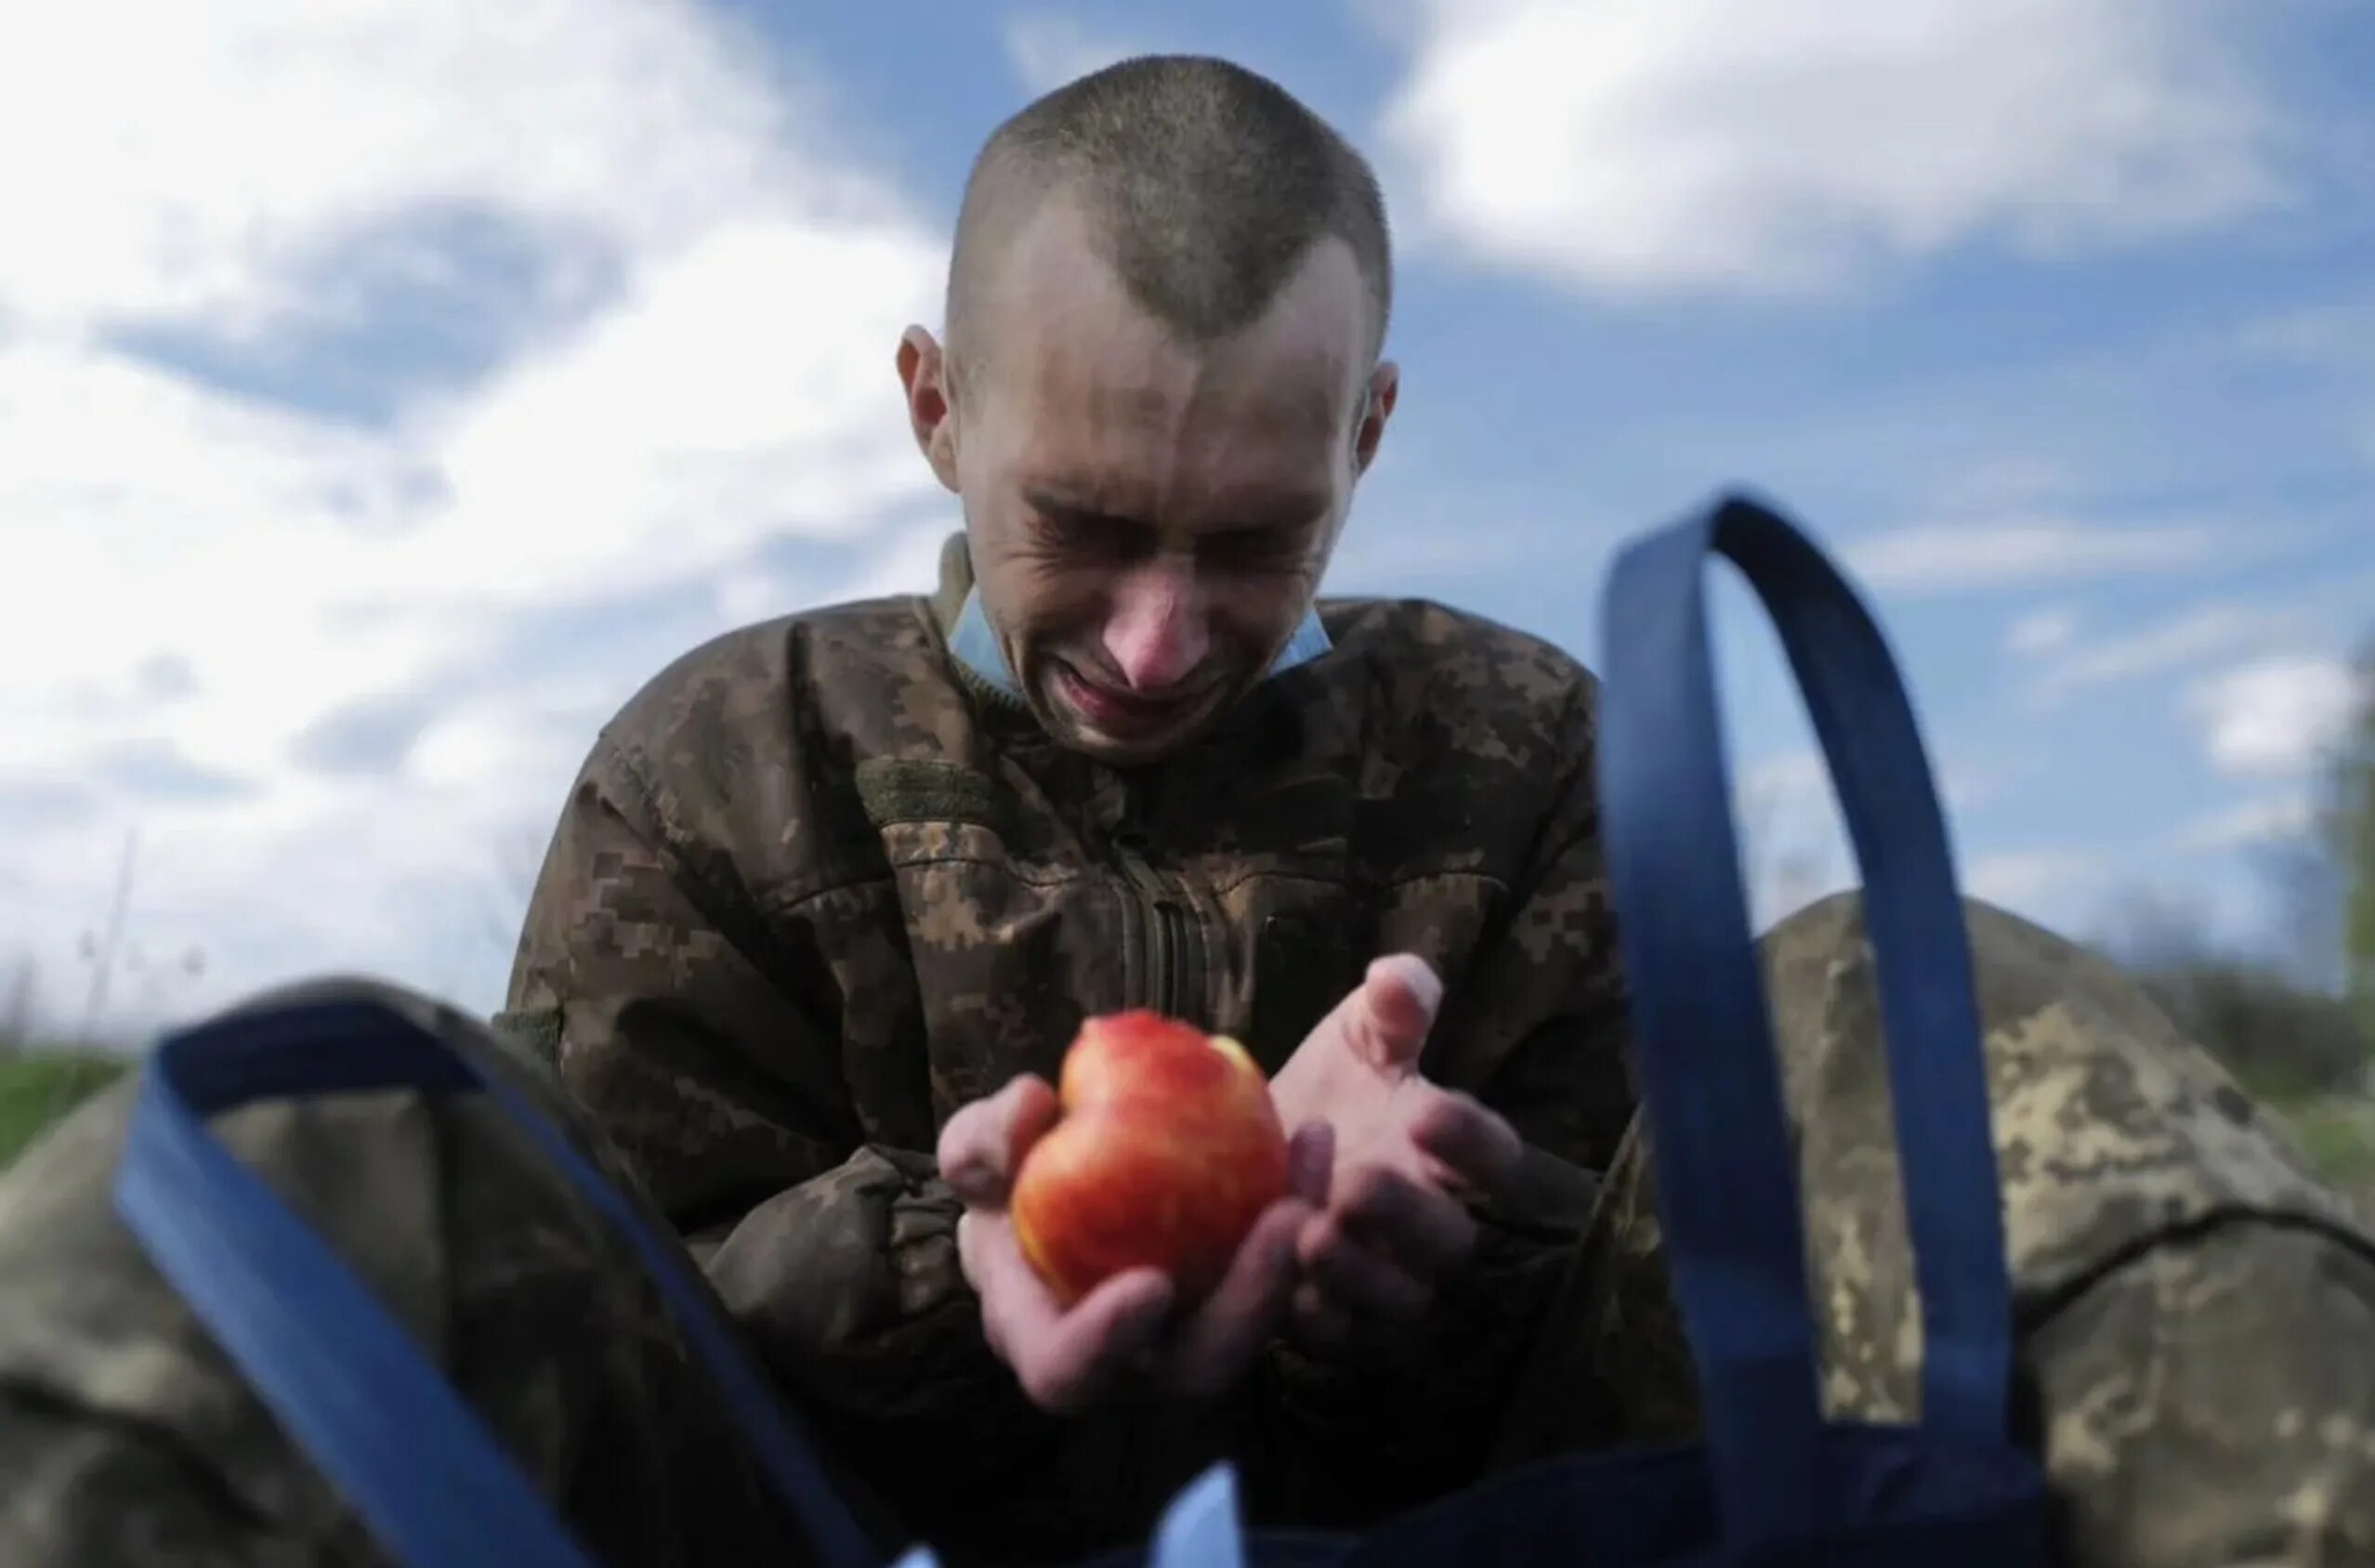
{"points": [[1162, 934]]}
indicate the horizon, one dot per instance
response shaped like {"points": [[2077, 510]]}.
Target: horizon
{"points": [[385, 395]]}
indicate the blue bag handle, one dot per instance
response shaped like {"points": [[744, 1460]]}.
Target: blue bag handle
{"points": [[1727, 1192], [428, 1479]]}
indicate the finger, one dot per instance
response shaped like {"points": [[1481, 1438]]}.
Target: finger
{"points": [[984, 1143], [1471, 1141], [1246, 1309], [1421, 1227], [1063, 1357], [969, 1241], [1019, 1310], [1064, 1365], [1311, 1161], [1383, 1021], [1394, 1009], [1406, 992], [1365, 1283], [1015, 1302]]}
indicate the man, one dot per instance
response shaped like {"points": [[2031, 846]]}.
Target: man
{"points": [[830, 894], [834, 892]]}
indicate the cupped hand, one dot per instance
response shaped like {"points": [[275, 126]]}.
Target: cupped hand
{"points": [[1394, 1220], [1129, 1329]]}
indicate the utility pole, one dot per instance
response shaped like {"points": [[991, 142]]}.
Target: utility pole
{"points": [[16, 1034], [103, 960]]}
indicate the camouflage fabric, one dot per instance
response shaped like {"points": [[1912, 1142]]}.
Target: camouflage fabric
{"points": [[818, 886], [2196, 1314], [128, 1438], [2195, 1309]]}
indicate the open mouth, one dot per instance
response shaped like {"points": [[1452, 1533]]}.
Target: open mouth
{"points": [[1117, 713]]}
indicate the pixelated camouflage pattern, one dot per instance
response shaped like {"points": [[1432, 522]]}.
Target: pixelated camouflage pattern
{"points": [[768, 1018], [128, 1438], [817, 887], [2195, 1309], [2195, 1312]]}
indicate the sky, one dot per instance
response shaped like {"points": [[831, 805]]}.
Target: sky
{"points": [[388, 389]]}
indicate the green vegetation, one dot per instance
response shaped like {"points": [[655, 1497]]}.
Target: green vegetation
{"points": [[39, 1087], [2297, 1029], [2339, 1134], [2346, 829], [2285, 1041]]}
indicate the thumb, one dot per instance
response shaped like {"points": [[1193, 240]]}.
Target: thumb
{"points": [[982, 1147], [1395, 1007]]}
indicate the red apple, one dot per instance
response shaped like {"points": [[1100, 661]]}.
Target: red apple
{"points": [[1167, 1152]]}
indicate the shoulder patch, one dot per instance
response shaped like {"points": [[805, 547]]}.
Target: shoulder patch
{"points": [[920, 789]]}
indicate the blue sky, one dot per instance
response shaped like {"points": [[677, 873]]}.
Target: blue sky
{"points": [[385, 393]]}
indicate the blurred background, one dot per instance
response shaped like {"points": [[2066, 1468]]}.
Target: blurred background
{"points": [[387, 389]]}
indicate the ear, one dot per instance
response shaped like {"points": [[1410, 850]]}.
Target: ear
{"points": [[931, 403], [1385, 386]]}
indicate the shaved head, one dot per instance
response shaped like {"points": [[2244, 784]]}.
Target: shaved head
{"points": [[1206, 187], [1161, 381]]}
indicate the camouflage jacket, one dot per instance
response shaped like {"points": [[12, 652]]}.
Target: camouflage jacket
{"points": [[2193, 1308], [819, 885]]}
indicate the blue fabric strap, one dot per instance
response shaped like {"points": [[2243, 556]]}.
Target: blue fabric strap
{"points": [[423, 1471], [1727, 1191], [436, 1487]]}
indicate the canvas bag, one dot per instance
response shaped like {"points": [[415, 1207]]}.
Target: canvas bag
{"points": [[1771, 1482]]}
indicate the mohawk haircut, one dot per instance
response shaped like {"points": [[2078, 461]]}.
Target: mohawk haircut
{"points": [[1206, 185]]}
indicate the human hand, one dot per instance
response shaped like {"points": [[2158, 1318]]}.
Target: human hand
{"points": [[1394, 1220], [1127, 1328]]}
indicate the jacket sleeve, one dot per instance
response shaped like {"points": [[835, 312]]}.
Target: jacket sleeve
{"points": [[1537, 1029], [704, 1045]]}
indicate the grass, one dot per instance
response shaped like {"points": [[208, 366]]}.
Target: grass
{"points": [[2338, 1134], [39, 1087]]}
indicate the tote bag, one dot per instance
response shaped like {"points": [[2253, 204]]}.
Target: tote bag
{"points": [[1771, 1482]]}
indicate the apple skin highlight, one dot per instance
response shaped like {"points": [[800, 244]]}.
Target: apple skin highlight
{"points": [[1167, 1152]]}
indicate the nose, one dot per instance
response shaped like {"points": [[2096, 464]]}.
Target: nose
{"points": [[1157, 636]]}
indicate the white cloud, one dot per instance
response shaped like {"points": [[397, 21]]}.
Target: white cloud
{"points": [[2272, 717], [1801, 774], [1793, 843], [1797, 784], [170, 159], [2007, 481], [1676, 145], [2025, 880], [2254, 822], [1945, 558], [1046, 49], [2043, 631], [745, 390], [2340, 333], [650, 448], [2183, 639], [2335, 339]]}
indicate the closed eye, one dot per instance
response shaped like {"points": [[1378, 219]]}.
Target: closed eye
{"points": [[1266, 548], [1077, 531]]}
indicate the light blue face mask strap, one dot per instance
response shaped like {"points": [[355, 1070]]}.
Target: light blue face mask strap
{"points": [[974, 642]]}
